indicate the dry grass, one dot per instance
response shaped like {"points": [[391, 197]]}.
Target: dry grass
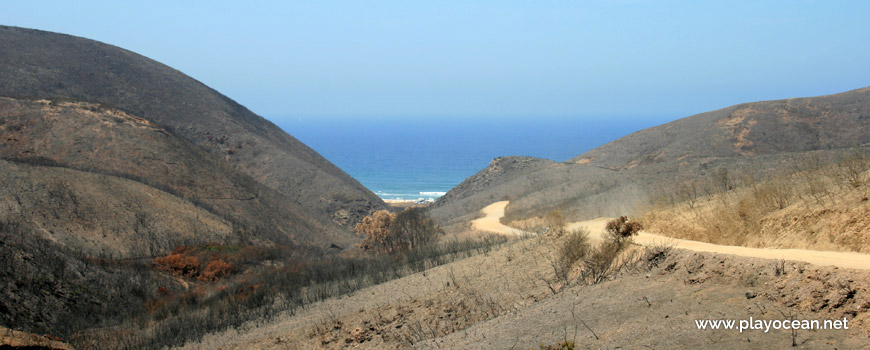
{"points": [[500, 300], [820, 205]]}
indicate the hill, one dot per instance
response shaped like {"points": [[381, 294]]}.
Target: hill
{"points": [[713, 151], [39, 64], [768, 127], [147, 190], [111, 161]]}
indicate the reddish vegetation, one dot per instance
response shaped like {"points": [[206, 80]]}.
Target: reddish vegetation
{"points": [[179, 263], [203, 264], [215, 270]]}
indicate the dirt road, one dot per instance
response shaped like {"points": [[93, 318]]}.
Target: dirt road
{"points": [[494, 212], [490, 222]]}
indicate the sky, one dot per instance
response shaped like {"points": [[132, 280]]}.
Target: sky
{"points": [[486, 60]]}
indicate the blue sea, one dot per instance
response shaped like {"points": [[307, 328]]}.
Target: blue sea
{"points": [[410, 160]]}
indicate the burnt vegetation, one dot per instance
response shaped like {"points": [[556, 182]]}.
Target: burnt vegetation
{"points": [[128, 223], [97, 303], [397, 233], [184, 217]]}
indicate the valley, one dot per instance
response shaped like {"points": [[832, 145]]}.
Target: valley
{"points": [[140, 208]]}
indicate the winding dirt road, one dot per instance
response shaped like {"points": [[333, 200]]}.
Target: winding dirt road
{"points": [[491, 220], [494, 212]]}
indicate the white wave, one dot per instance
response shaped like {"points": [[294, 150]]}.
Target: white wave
{"points": [[432, 193]]}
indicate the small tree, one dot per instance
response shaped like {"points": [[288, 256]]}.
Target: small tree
{"points": [[387, 232], [375, 229], [414, 228]]}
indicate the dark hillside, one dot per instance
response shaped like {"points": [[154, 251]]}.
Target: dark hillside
{"points": [[110, 162], [38, 64]]}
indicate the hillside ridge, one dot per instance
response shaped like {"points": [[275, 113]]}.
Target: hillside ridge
{"points": [[40, 64], [750, 140], [766, 127]]}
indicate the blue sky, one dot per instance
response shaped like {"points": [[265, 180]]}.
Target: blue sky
{"points": [[330, 60]]}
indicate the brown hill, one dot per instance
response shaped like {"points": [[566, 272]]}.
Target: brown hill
{"points": [[92, 194], [38, 64], [148, 192], [768, 127], [709, 151], [109, 159]]}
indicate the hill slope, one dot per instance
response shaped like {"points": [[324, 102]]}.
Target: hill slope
{"points": [[38, 64], [109, 159], [719, 148], [179, 180], [768, 127]]}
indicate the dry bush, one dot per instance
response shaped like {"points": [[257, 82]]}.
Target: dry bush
{"points": [[389, 233], [215, 269], [689, 192], [179, 263], [414, 228], [756, 214], [375, 229], [622, 229], [853, 169], [602, 261], [596, 263], [555, 221], [723, 180], [655, 254], [773, 194], [213, 262], [575, 248]]}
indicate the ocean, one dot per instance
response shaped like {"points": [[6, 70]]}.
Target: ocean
{"points": [[410, 160]]}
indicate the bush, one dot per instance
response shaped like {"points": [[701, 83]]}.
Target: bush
{"points": [[414, 228], [387, 232], [599, 263], [179, 263], [575, 248], [210, 262], [853, 169], [555, 222], [622, 229], [376, 231], [216, 269]]}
